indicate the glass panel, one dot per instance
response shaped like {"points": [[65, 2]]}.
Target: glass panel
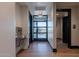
{"points": [[34, 29], [41, 29], [37, 18], [34, 24], [34, 35], [41, 35], [50, 23], [41, 24]]}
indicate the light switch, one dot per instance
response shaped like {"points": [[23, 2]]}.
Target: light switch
{"points": [[74, 26]]}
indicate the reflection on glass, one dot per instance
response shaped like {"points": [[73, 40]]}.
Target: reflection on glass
{"points": [[34, 24], [37, 18], [34, 36], [50, 23], [34, 29], [41, 29], [41, 35], [41, 24]]}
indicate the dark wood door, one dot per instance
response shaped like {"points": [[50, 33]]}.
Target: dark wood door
{"points": [[66, 29]]}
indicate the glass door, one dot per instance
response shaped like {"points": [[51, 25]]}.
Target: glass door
{"points": [[40, 30]]}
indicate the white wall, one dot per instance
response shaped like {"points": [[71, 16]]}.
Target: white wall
{"points": [[54, 25], [59, 27], [22, 20], [18, 15], [52, 32], [10, 17], [25, 24], [7, 29], [78, 23], [18, 21], [74, 20], [75, 32], [59, 23]]}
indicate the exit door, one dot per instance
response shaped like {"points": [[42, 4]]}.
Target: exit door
{"points": [[40, 30]]}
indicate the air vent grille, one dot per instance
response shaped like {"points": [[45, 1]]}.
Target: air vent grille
{"points": [[40, 8]]}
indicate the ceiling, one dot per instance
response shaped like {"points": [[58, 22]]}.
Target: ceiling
{"points": [[60, 4], [37, 8], [44, 8], [61, 14]]}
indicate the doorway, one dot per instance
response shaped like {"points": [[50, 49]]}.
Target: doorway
{"points": [[66, 28], [40, 28]]}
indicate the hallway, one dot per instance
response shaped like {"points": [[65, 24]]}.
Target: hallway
{"points": [[43, 49], [37, 49]]}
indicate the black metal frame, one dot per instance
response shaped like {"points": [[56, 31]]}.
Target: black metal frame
{"points": [[41, 27], [30, 27]]}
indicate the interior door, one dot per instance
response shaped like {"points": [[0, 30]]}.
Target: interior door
{"points": [[65, 29]]}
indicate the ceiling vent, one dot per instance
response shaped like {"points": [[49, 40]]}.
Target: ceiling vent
{"points": [[40, 8]]}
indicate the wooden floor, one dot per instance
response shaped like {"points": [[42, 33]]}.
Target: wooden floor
{"points": [[43, 49]]}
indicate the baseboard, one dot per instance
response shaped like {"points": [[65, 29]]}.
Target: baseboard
{"points": [[19, 51], [42, 39], [54, 50], [29, 46], [74, 47], [50, 45], [59, 38]]}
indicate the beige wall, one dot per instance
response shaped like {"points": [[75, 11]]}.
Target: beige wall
{"points": [[7, 29]]}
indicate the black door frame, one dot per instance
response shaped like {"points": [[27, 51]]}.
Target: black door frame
{"points": [[69, 16], [46, 28], [30, 27]]}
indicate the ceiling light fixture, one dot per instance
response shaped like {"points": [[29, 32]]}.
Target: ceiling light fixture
{"points": [[40, 13]]}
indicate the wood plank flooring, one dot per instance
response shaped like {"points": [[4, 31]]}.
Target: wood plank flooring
{"points": [[43, 49]]}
